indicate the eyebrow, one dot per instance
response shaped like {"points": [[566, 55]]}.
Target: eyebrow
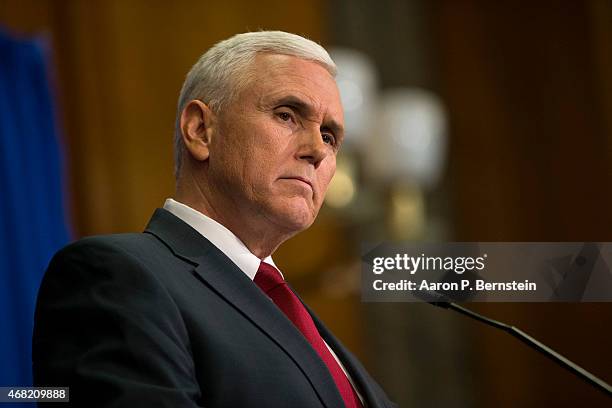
{"points": [[306, 109]]}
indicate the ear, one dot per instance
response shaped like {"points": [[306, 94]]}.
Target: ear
{"points": [[197, 127]]}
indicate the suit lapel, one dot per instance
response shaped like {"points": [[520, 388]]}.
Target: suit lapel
{"points": [[358, 373], [228, 281]]}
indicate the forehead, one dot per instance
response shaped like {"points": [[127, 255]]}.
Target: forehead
{"points": [[275, 76]]}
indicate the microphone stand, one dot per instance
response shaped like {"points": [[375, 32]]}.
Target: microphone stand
{"points": [[528, 340]]}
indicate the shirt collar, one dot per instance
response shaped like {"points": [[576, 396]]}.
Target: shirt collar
{"points": [[219, 236]]}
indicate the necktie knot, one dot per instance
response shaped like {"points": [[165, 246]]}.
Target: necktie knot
{"points": [[268, 277]]}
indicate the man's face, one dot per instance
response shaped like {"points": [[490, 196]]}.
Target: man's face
{"points": [[275, 152]]}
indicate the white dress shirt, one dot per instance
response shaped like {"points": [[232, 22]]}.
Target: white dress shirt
{"points": [[232, 247]]}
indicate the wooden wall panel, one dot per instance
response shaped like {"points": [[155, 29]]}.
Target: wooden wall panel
{"points": [[530, 161]]}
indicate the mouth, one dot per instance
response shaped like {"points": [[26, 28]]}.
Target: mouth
{"points": [[301, 180]]}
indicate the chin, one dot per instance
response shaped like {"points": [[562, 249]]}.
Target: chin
{"points": [[299, 222], [296, 219]]}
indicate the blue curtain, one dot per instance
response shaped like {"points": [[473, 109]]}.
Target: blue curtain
{"points": [[32, 218]]}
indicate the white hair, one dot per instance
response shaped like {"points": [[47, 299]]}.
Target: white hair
{"points": [[222, 71]]}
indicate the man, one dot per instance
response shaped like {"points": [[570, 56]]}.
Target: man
{"points": [[193, 311]]}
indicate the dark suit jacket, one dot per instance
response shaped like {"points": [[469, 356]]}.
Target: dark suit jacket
{"points": [[164, 319]]}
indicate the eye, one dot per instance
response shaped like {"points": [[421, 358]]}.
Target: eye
{"points": [[328, 139], [285, 116]]}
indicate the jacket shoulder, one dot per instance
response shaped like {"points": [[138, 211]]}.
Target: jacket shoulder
{"points": [[139, 247], [127, 242]]}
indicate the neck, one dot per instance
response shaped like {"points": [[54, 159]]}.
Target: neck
{"points": [[261, 238]]}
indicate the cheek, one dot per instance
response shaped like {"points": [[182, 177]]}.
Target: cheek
{"points": [[243, 149], [326, 174], [267, 155]]}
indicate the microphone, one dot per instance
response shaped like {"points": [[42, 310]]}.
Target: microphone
{"points": [[439, 300]]}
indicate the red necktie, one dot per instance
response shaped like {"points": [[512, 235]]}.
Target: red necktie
{"points": [[272, 283]]}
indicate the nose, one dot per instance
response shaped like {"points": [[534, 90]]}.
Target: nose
{"points": [[312, 148]]}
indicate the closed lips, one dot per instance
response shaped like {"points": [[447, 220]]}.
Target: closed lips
{"points": [[302, 179]]}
